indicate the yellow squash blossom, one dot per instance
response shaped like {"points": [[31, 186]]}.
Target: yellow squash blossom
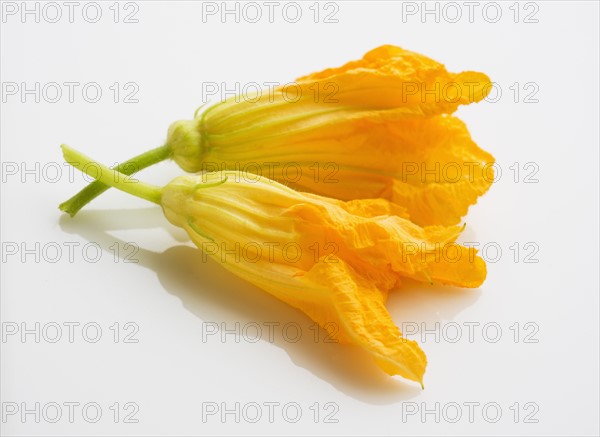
{"points": [[430, 166], [388, 82], [370, 121], [334, 260]]}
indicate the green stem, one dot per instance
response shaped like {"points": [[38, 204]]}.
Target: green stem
{"points": [[111, 177], [129, 167]]}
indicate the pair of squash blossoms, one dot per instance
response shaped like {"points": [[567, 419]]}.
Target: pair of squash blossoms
{"points": [[401, 173]]}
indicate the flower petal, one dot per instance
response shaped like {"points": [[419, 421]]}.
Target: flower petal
{"points": [[405, 82], [358, 307]]}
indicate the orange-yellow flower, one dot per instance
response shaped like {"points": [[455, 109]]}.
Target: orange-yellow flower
{"points": [[430, 166], [388, 82], [334, 260], [370, 121]]}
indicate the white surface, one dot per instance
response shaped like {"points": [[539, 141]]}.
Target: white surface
{"points": [[171, 295]]}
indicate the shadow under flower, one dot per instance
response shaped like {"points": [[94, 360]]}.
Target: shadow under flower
{"points": [[225, 298]]}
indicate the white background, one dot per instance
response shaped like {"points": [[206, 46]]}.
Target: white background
{"points": [[170, 294]]}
